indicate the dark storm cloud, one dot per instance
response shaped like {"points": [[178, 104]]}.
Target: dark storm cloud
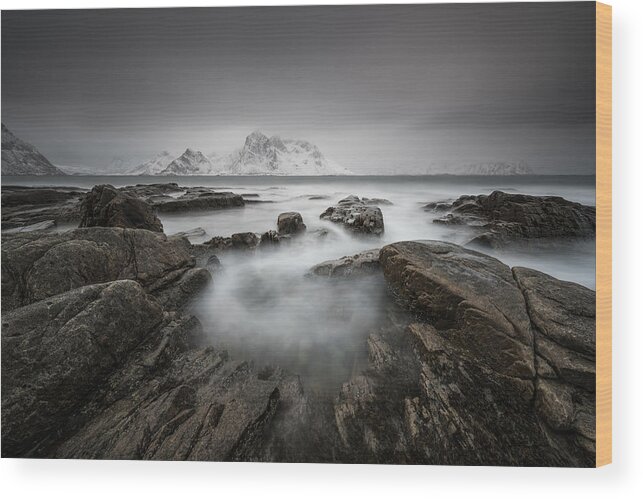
{"points": [[87, 85]]}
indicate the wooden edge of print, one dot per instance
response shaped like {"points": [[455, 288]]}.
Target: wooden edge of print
{"points": [[603, 234]]}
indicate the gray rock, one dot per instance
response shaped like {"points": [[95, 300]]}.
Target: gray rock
{"points": [[502, 219], [290, 223], [44, 225], [269, 238], [23, 206], [171, 198], [361, 264], [106, 206], [461, 377], [356, 216], [36, 266], [196, 232]]}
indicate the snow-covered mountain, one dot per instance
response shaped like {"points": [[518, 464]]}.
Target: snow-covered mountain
{"points": [[21, 158], [155, 165], [191, 162], [262, 155]]}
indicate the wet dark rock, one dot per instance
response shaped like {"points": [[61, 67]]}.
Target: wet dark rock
{"points": [[502, 219], [361, 264], [356, 216], [290, 223], [269, 238], [105, 206], [377, 201], [36, 266], [244, 241]]}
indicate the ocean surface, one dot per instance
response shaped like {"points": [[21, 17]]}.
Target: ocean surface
{"points": [[264, 307]]}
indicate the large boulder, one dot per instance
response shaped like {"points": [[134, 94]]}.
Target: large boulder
{"points": [[501, 218], [105, 206], [290, 223], [472, 374], [37, 266], [356, 215]]}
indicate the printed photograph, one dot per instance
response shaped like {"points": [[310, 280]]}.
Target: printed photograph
{"points": [[322, 234]]}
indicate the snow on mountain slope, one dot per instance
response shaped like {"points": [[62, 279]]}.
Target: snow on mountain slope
{"points": [[155, 165], [191, 162], [21, 158], [262, 155]]}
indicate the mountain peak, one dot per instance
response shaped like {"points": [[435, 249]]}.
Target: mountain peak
{"points": [[21, 158]]}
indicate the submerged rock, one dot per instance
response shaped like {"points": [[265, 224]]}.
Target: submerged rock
{"points": [[364, 263], [503, 219], [290, 223], [357, 216], [106, 206]]}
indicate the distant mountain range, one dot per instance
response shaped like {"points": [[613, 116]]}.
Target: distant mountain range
{"points": [[260, 155], [21, 158]]}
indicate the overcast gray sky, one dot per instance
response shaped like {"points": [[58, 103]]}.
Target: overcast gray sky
{"points": [[377, 88]]}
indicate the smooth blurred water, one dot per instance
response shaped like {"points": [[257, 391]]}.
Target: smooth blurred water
{"points": [[264, 308]]}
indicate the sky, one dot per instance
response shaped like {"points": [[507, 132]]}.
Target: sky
{"points": [[380, 89]]}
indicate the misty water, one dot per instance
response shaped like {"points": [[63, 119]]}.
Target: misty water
{"points": [[264, 308]]}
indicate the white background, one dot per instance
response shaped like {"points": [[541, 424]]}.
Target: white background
{"points": [[623, 478]]}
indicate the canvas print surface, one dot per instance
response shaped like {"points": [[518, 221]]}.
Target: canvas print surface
{"points": [[338, 234]]}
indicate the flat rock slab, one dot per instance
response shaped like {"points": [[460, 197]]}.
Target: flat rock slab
{"points": [[503, 219]]}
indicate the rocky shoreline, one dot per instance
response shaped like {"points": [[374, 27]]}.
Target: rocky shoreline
{"points": [[102, 357]]}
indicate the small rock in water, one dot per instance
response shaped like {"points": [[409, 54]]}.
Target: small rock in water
{"points": [[269, 238], [196, 232], [357, 216], [364, 263], [290, 223]]}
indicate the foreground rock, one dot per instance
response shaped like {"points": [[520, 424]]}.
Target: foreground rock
{"points": [[356, 215], [37, 266], [362, 264], [290, 223], [106, 206], [136, 385], [171, 198], [503, 219], [467, 377], [26, 206], [99, 361]]}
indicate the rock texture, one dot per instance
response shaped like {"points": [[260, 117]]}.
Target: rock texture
{"points": [[361, 264], [36, 266], [24, 206], [171, 198], [100, 360], [106, 206], [290, 223], [501, 219], [466, 377], [21, 158], [356, 215]]}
